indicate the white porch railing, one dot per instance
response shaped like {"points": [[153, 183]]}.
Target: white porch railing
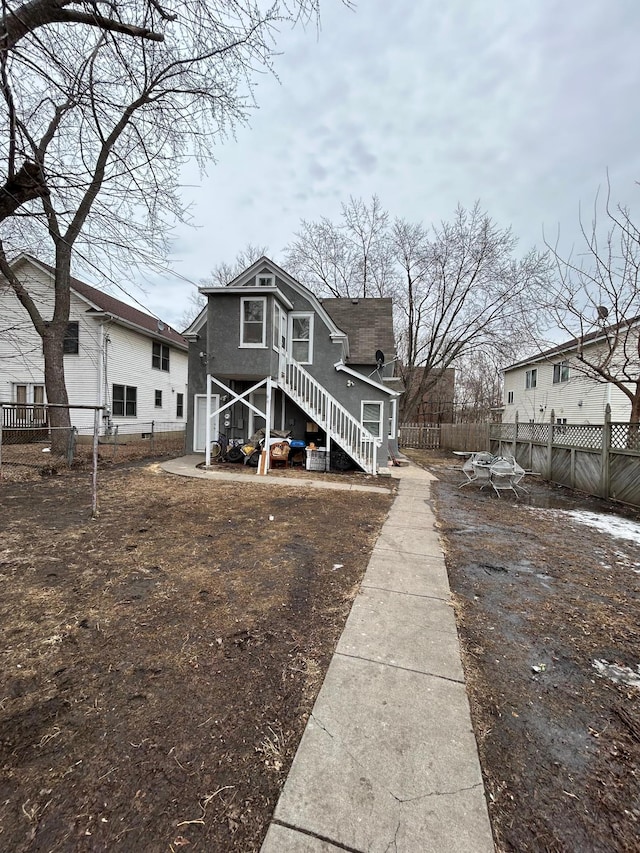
{"points": [[338, 424]]}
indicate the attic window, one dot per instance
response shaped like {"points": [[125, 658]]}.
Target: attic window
{"points": [[264, 280]]}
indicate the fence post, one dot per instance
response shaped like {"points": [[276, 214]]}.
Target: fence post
{"points": [[549, 461], [71, 445], [515, 437], [605, 461], [153, 438], [94, 464], [1, 424]]}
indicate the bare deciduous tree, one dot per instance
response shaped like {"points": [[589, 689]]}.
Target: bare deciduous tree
{"points": [[595, 301], [463, 294], [100, 119], [457, 287], [351, 258]]}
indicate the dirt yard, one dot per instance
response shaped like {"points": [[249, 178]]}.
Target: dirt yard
{"points": [[549, 618], [159, 663]]}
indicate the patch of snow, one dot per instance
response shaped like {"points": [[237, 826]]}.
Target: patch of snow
{"points": [[614, 525], [618, 674]]}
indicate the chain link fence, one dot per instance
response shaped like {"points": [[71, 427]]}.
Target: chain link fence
{"points": [[30, 447], [132, 442]]}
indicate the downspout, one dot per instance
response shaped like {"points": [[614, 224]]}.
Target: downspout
{"points": [[101, 357]]}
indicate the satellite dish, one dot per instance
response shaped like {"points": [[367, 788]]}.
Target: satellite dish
{"points": [[379, 358], [161, 326], [603, 312]]}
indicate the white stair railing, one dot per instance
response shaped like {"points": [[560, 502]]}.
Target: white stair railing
{"points": [[330, 415]]}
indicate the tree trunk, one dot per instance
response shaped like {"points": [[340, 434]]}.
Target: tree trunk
{"points": [[54, 381], [53, 350]]}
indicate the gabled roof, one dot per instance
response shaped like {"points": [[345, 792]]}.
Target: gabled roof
{"points": [[101, 302], [368, 323], [243, 279], [572, 345]]}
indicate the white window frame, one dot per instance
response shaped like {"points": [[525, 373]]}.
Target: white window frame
{"points": [[380, 405], [265, 280], [393, 419], [561, 372], [297, 315], [531, 379], [253, 344], [278, 327], [510, 396]]}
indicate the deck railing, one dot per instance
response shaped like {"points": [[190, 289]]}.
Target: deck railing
{"points": [[330, 415]]}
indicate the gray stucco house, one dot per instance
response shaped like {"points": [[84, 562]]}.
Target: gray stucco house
{"points": [[320, 368]]}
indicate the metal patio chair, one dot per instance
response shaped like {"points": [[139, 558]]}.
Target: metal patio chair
{"points": [[506, 473], [477, 467]]}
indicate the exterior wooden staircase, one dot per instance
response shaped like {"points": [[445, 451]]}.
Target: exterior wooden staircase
{"points": [[338, 424]]}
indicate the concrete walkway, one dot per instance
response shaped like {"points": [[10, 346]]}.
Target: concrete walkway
{"points": [[186, 466], [388, 762]]}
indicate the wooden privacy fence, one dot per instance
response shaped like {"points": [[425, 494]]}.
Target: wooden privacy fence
{"points": [[600, 459], [445, 436], [420, 436]]}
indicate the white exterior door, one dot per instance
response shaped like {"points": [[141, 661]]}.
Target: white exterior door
{"points": [[200, 420]]}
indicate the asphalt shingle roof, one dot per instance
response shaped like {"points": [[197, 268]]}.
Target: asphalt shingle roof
{"points": [[122, 311]]}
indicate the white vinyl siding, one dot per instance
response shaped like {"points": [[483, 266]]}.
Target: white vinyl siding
{"points": [[578, 399], [108, 354]]}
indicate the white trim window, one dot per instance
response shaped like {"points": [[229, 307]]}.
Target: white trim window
{"points": [[371, 416], [265, 280], [509, 398], [279, 331], [393, 419], [253, 320], [531, 378], [560, 372], [301, 337], [33, 397]]}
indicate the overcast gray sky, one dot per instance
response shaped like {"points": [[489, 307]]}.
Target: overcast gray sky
{"points": [[522, 104]]}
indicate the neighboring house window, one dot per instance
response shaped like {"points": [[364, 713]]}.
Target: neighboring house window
{"points": [[71, 342], [179, 405], [32, 395], [125, 401], [301, 337], [560, 372], [561, 420], [160, 357], [393, 415], [372, 418], [265, 280], [509, 397], [531, 378], [252, 321], [158, 399]]}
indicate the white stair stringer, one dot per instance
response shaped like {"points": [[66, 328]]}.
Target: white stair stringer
{"points": [[330, 415]]}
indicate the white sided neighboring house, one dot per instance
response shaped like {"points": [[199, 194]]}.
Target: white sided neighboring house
{"points": [[554, 381], [116, 356]]}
